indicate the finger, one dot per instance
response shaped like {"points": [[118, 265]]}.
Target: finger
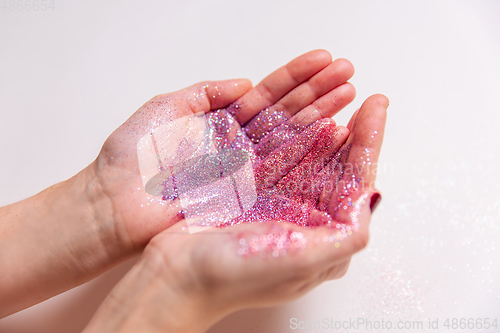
{"points": [[362, 149], [330, 173], [342, 241], [329, 246], [285, 132], [226, 131], [213, 95], [326, 106], [334, 75], [331, 176], [282, 160], [277, 137], [365, 142], [201, 97], [353, 118], [323, 107], [306, 179], [279, 83], [314, 249], [314, 252]]}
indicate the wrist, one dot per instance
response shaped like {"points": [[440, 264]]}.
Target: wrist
{"points": [[100, 214], [55, 235], [153, 298]]}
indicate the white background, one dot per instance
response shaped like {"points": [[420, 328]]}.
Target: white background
{"points": [[70, 76]]}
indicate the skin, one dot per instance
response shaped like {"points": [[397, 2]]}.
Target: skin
{"points": [[202, 276], [99, 221]]}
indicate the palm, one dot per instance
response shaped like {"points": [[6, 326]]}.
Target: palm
{"points": [[137, 215], [310, 82], [261, 264]]}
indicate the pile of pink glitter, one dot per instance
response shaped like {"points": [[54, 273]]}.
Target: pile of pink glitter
{"points": [[299, 174]]}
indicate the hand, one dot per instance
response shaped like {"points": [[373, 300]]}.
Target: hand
{"points": [[310, 85], [102, 215], [302, 166], [208, 275]]}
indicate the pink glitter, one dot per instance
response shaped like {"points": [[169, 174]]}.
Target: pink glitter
{"points": [[274, 243], [293, 166], [301, 177]]}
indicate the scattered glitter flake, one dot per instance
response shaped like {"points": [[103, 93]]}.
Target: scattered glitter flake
{"points": [[277, 242], [301, 174]]}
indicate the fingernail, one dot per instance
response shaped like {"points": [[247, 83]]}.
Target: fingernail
{"points": [[374, 201]]}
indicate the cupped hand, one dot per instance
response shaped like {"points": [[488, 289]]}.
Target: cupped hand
{"points": [[264, 263], [210, 274], [272, 262], [308, 88]]}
